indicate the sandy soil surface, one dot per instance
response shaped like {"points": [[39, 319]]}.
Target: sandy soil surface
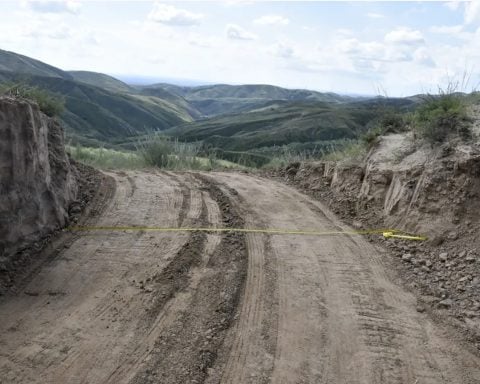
{"points": [[201, 307]]}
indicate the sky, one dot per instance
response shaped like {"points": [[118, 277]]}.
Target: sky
{"points": [[391, 48]]}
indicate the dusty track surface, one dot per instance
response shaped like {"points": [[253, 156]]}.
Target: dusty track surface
{"points": [[154, 307]]}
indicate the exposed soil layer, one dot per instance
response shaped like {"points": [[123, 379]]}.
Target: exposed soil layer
{"points": [[36, 181], [133, 306]]}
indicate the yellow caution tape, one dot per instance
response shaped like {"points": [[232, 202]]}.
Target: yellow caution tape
{"points": [[404, 236], [387, 233]]}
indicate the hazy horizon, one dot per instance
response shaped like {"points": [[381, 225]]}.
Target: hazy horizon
{"points": [[363, 48]]}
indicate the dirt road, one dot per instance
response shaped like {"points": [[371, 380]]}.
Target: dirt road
{"points": [[154, 307]]}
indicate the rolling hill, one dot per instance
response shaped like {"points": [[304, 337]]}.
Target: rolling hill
{"points": [[101, 80], [23, 65], [300, 122], [98, 108], [221, 99]]}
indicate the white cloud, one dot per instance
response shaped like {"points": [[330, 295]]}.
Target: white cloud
{"points": [[170, 15], [447, 29], [235, 32], [422, 57], [272, 20], [472, 12], [233, 3], [282, 50], [374, 15], [405, 36], [61, 32], [53, 6], [453, 5]]}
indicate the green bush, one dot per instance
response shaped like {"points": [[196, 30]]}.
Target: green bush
{"points": [[370, 137], [50, 104], [441, 116], [162, 152], [393, 122], [156, 151], [390, 121]]}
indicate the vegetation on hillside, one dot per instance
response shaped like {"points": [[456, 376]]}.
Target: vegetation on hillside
{"points": [[162, 152], [440, 116], [101, 80], [105, 158], [292, 123], [50, 104]]}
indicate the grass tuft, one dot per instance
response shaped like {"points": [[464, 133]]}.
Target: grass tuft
{"points": [[49, 103], [439, 117]]}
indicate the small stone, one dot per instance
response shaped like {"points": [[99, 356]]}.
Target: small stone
{"points": [[407, 257], [462, 254], [453, 236], [420, 308], [447, 303], [443, 256]]}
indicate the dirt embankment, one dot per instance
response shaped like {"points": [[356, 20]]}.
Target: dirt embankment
{"points": [[431, 191], [40, 190]]}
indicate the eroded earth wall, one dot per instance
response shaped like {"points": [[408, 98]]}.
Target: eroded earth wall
{"points": [[37, 183], [433, 191]]}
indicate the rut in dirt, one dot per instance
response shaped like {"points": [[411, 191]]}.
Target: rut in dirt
{"points": [[200, 307]]}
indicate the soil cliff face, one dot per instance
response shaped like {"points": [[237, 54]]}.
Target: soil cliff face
{"points": [[424, 190], [37, 183]]}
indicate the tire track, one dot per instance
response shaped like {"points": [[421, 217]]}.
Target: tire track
{"points": [[188, 349], [341, 320]]}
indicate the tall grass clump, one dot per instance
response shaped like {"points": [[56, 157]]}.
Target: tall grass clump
{"points": [[163, 152], [389, 121], [440, 116], [285, 155], [50, 104], [353, 151], [104, 158]]}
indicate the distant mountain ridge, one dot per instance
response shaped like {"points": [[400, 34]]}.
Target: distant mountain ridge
{"points": [[98, 108], [101, 109], [20, 64], [220, 99], [101, 80]]}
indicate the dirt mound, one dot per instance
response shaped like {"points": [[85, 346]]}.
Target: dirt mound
{"points": [[419, 189], [37, 183]]}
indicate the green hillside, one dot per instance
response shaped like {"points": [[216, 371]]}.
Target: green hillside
{"points": [[300, 122], [101, 80], [19, 64], [102, 110], [98, 108], [220, 99], [94, 115]]}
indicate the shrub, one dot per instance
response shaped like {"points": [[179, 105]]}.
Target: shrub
{"points": [[50, 104], [393, 122], [155, 151], [440, 116], [390, 121], [369, 138], [162, 152]]}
